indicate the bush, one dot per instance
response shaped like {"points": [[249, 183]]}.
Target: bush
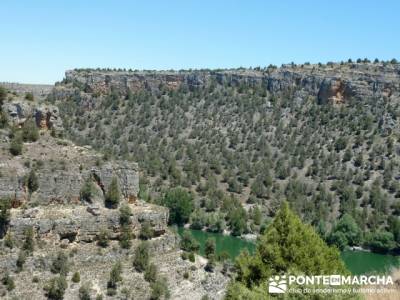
{"points": [[29, 244], [29, 97], [188, 242], [5, 205], [142, 257], [56, 287], [150, 274], [113, 195], [60, 264], [84, 292], [102, 238], [210, 247], [115, 276], [159, 289], [16, 145], [21, 260], [125, 213], [180, 203], [146, 231], [86, 192], [210, 264], [76, 277], [8, 281], [192, 257], [30, 132], [3, 95], [125, 237], [31, 181]]}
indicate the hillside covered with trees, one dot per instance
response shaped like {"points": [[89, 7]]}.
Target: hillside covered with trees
{"points": [[228, 147]]}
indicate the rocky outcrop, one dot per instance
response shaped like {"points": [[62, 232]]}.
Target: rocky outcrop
{"points": [[46, 116], [334, 83], [61, 169], [79, 224]]}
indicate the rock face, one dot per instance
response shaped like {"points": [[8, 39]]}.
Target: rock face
{"points": [[46, 116], [333, 83], [61, 170], [78, 224]]}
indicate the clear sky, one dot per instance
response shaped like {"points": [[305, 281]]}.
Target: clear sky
{"points": [[41, 39]]}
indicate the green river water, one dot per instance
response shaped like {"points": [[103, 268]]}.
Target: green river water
{"points": [[358, 262]]}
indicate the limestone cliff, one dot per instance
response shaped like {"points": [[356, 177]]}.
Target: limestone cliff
{"points": [[329, 83]]}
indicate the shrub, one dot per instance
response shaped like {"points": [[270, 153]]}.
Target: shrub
{"points": [[210, 264], [21, 260], [188, 242], [29, 244], [86, 192], [8, 281], [210, 247], [76, 277], [192, 257], [29, 97], [146, 231], [113, 195], [150, 274], [16, 145], [60, 264], [31, 181], [30, 132], [102, 238], [84, 292], [5, 205], [159, 289], [115, 276], [3, 95], [142, 257], [125, 213], [56, 287], [125, 237], [180, 203]]}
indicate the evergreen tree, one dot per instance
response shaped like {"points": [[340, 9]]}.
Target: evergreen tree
{"points": [[113, 196], [287, 246]]}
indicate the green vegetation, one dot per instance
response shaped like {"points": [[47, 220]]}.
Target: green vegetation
{"points": [[113, 196], [288, 246], [141, 259], [30, 132], [189, 243], [8, 282], [16, 145], [102, 239], [31, 181], [146, 231], [60, 264], [76, 277], [180, 203], [84, 292], [5, 205], [159, 289], [29, 244], [87, 191], [231, 144], [56, 287], [115, 277], [150, 274], [29, 97]]}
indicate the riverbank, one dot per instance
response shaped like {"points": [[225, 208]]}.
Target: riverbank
{"points": [[358, 261]]}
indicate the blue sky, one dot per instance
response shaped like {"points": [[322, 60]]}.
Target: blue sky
{"points": [[42, 39]]}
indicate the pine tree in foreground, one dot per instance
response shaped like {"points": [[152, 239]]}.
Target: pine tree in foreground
{"points": [[287, 247]]}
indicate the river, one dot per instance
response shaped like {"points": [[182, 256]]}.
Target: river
{"points": [[358, 262]]}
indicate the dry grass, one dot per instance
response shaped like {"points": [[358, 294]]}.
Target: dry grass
{"points": [[393, 295]]}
